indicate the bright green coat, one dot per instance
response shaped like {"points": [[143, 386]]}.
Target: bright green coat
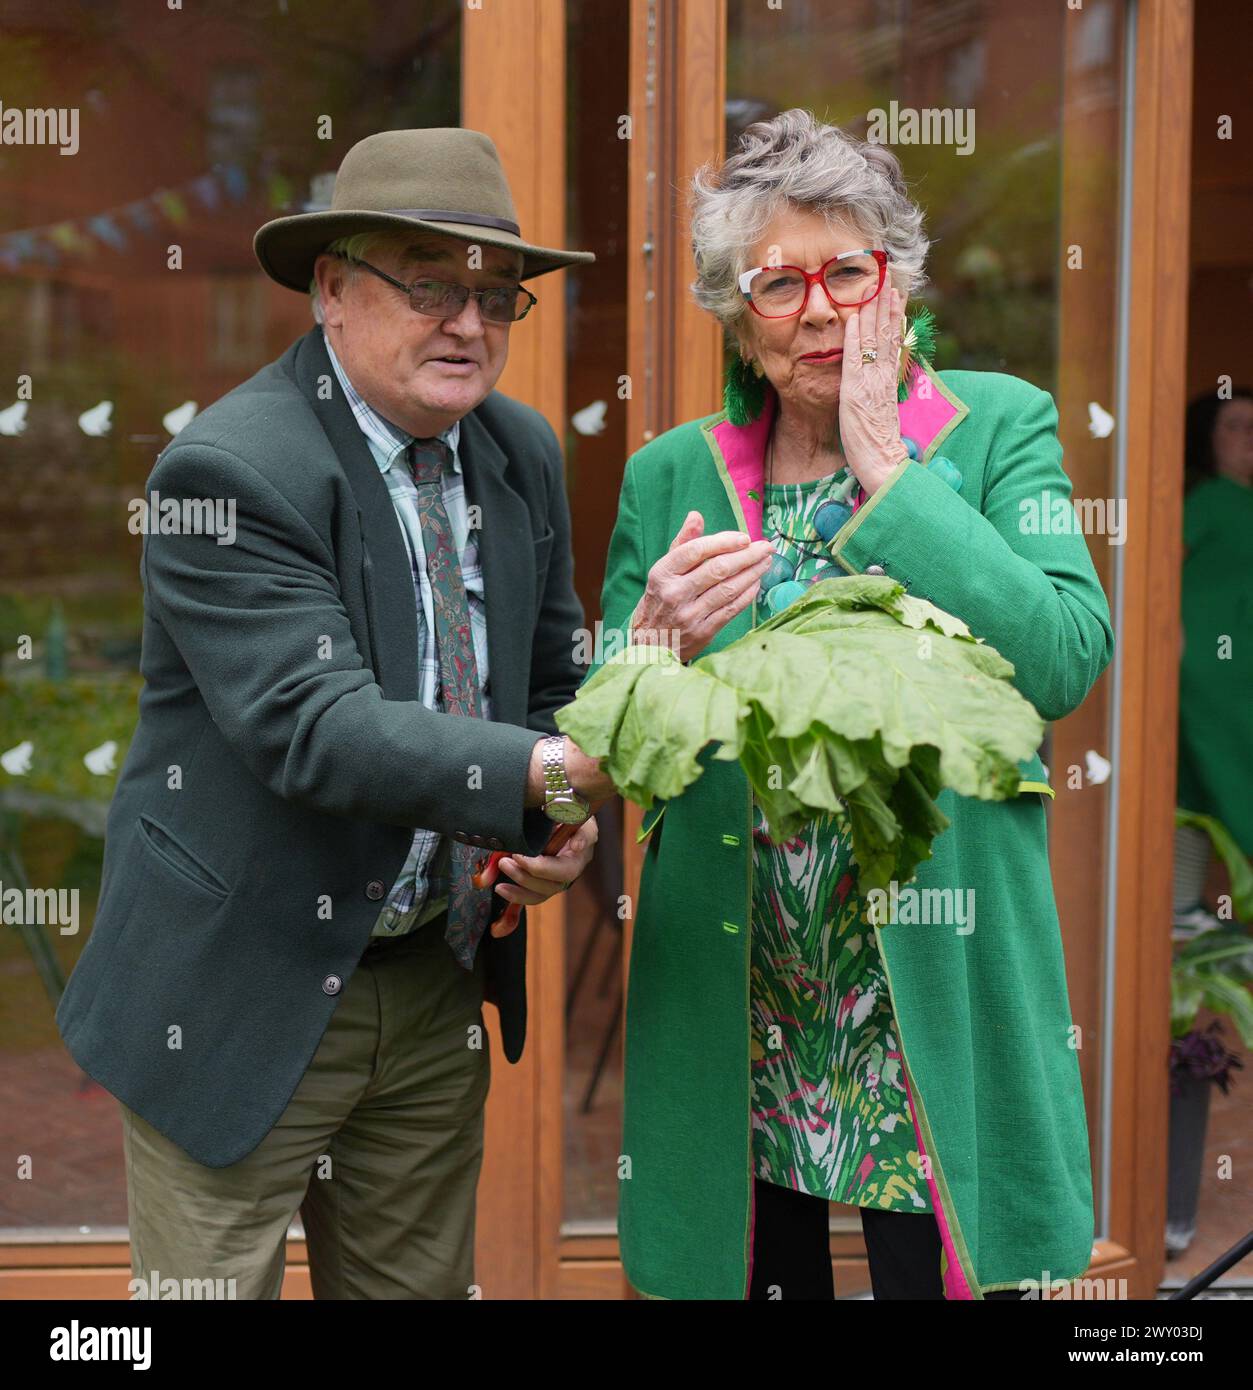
{"points": [[983, 1019]]}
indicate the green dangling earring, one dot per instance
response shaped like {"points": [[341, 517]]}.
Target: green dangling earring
{"points": [[918, 341], [743, 391]]}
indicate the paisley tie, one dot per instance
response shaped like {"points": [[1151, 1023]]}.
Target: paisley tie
{"points": [[469, 908]]}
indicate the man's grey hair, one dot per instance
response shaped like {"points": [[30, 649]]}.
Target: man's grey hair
{"points": [[361, 246], [795, 160]]}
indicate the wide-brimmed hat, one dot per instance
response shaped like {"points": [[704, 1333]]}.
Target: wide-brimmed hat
{"points": [[443, 180]]}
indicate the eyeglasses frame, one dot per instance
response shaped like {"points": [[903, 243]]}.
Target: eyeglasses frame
{"points": [[469, 293], [818, 276]]}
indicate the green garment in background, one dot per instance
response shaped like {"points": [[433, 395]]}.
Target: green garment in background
{"points": [[1216, 671]]}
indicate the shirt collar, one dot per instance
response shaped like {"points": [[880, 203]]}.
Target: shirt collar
{"points": [[387, 442]]}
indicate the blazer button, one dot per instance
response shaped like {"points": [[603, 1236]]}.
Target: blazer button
{"points": [[874, 569], [332, 984], [462, 836], [495, 842], [374, 890]]}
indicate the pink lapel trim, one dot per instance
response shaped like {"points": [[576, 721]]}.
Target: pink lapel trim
{"points": [[956, 1286], [923, 414], [744, 453]]}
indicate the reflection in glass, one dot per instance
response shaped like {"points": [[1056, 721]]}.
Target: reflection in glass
{"points": [[131, 298]]}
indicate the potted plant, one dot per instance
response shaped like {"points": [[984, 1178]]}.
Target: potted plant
{"points": [[1211, 971]]}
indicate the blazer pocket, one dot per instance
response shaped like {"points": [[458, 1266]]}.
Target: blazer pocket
{"points": [[178, 857]]}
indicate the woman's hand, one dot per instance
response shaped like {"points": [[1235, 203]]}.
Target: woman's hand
{"points": [[537, 877], [698, 586], [870, 425]]}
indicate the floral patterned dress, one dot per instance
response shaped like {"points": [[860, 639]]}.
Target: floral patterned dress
{"points": [[829, 1110]]}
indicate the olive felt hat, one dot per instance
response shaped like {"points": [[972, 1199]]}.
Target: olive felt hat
{"points": [[443, 180]]}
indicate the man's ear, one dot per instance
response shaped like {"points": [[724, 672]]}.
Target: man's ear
{"points": [[331, 273]]}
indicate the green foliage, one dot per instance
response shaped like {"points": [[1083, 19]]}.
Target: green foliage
{"points": [[1213, 971], [64, 720], [1233, 857], [858, 700]]}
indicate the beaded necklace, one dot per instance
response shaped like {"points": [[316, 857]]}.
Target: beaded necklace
{"points": [[827, 520]]}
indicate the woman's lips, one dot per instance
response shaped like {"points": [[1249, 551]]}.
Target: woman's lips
{"points": [[831, 355]]}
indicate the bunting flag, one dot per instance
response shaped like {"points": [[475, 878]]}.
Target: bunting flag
{"points": [[106, 229], [84, 237]]}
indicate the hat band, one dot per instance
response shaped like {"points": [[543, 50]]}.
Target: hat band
{"points": [[445, 215]]}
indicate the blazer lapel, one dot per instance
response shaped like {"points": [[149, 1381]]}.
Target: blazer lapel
{"points": [[506, 553], [505, 545], [388, 576]]}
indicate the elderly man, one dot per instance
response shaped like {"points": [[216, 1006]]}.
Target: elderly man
{"points": [[343, 714]]}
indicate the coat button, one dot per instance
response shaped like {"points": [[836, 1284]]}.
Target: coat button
{"points": [[874, 569], [374, 890], [332, 984], [495, 842], [462, 836]]}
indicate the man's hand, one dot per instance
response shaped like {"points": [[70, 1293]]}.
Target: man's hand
{"points": [[538, 876]]}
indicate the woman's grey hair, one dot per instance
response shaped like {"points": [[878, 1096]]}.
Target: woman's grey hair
{"points": [[795, 160]]}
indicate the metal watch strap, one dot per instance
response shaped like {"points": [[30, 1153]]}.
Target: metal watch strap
{"points": [[556, 783]]}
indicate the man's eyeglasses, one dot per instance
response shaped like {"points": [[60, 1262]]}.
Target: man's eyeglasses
{"points": [[442, 299], [848, 280]]}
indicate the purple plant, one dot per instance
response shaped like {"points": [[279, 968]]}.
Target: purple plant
{"points": [[1201, 1053]]}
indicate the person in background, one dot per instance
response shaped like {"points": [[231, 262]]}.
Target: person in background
{"points": [[1216, 667]]}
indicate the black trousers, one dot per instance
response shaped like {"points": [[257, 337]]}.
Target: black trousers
{"points": [[792, 1259]]}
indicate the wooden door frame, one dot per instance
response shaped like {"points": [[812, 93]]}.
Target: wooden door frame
{"points": [[1147, 636], [522, 107]]}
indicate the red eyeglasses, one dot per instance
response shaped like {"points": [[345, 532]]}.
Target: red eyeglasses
{"points": [[848, 280]]}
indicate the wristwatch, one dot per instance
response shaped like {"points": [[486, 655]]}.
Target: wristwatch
{"points": [[561, 802]]}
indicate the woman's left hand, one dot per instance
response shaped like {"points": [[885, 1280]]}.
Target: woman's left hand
{"points": [[537, 877], [870, 426]]}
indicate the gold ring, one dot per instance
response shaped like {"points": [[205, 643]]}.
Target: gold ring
{"points": [[869, 354]]}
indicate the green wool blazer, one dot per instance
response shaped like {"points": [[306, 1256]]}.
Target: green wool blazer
{"points": [[983, 1019], [283, 756]]}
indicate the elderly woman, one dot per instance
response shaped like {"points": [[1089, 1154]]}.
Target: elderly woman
{"points": [[783, 1049]]}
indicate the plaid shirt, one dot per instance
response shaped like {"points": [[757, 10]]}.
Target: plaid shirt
{"points": [[421, 891]]}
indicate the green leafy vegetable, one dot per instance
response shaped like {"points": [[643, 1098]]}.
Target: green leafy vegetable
{"points": [[857, 700]]}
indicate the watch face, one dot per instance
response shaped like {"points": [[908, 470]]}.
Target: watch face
{"points": [[568, 812]]}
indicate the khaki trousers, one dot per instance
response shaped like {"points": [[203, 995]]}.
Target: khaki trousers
{"points": [[379, 1149]]}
